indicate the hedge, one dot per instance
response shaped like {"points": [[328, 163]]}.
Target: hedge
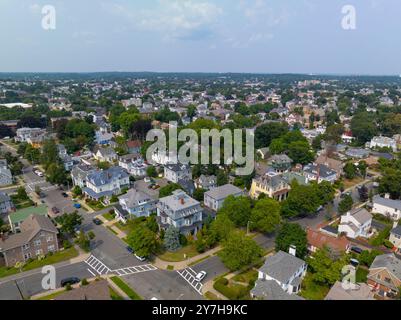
{"points": [[232, 293]]}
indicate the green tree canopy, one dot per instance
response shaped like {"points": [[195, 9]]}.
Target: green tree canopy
{"points": [[292, 234]]}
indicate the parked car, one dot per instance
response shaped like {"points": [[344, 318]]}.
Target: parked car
{"points": [[65, 195], [357, 250], [55, 210], [200, 276], [77, 206], [130, 250], [70, 281], [354, 262], [97, 221]]}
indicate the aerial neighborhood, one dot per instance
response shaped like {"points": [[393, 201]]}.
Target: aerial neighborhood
{"points": [[318, 217]]}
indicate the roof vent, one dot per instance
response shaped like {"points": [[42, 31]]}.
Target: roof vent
{"points": [[292, 250]]}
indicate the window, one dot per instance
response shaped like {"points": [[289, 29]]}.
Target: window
{"points": [[37, 243], [25, 246], [49, 238], [39, 252], [27, 256], [51, 248]]}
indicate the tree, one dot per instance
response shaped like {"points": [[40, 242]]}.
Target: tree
{"points": [[77, 191], [5, 131], [168, 190], [21, 194], [299, 152], [143, 241], [302, 201], [292, 234], [199, 194], [362, 168], [191, 111], [221, 227], [350, 170], [239, 251], [334, 133], [69, 222], [325, 192], [390, 183], [265, 216], [221, 178], [324, 269], [345, 204], [56, 174], [83, 242], [238, 209], [172, 239], [265, 133], [317, 143], [151, 172], [49, 154], [363, 127]]}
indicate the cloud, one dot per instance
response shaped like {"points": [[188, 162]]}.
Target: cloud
{"points": [[175, 19]]}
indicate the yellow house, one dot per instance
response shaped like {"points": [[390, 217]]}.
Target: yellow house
{"points": [[274, 187]]}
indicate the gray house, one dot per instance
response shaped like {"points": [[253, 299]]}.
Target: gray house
{"points": [[80, 174], [6, 205], [180, 211], [280, 277], [214, 198]]}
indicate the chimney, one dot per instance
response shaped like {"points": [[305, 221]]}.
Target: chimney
{"points": [[293, 250], [182, 201], [387, 196]]}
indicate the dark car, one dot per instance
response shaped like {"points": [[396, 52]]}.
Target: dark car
{"points": [[70, 281], [357, 250], [64, 195], [97, 221], [55, 210], [130, 250]]}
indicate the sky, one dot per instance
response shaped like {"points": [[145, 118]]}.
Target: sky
{"points": [[257, 36]]}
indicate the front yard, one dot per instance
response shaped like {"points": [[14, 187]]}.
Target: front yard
{"points": [[49, 260], [350, 183], [312, 290], [182, 254], [21, 203]]}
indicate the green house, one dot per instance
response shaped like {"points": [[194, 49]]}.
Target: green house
{"points": [[15, 219]]}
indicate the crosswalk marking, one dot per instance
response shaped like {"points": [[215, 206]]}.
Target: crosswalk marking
{"points": [[98, 266], [189, 275], [136, 269]]}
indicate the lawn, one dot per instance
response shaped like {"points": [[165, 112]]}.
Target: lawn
{"points": [[114, 295], [52, 295], [211, 296], [362, 275], [353, 182], [313, 291], [108, 227], [124, 287], [231, 290], [179, 255], [108, 216], [21, 203], [127, 228], [95, 205], [49, 260], [246, 276]]}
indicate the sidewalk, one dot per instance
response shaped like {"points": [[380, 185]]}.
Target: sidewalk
{"points": [[110, 224]]}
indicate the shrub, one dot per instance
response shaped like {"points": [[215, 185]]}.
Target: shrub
{"points": [[91, 235], [232, 293], [66, 244], [84, 282], [68, 287], [183, 240], [388, 244]]}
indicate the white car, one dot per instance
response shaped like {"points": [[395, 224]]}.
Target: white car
{"points": [[200, 276], [39, 173]]}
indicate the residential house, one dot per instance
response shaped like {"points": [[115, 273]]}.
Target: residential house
{"points": [[331, 163], [16, 219], [319, 173], [134, 146], [387, 207], [385, 275], [356, 223], [103, 138], [395, 237], [359, 291], [214, 198], [6, 177], [135, 204], [357, 153], [6, 205], [281, 163], [106, 183], [263, 153], [383, 142], [177, 172], [65, 158], [206, 182], [96, 290], [318, 240], [273, 186], [280, 277], [80, 173], [38, 237], [134, 164], [289, 177], [180, 211], [106, 155], [25, 134]]}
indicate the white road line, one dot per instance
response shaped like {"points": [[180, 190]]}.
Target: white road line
{"points": [[91, 272], [190, 279]]}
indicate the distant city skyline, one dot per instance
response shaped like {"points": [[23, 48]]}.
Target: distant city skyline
{"points": [[206, 36]]}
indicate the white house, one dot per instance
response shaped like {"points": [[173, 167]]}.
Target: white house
{"points": [[387, 207], [177, 172], [383, 142], [215, 197], [106, 155], [280, 277], [319, 173], [356, 223], [395, 237]]}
